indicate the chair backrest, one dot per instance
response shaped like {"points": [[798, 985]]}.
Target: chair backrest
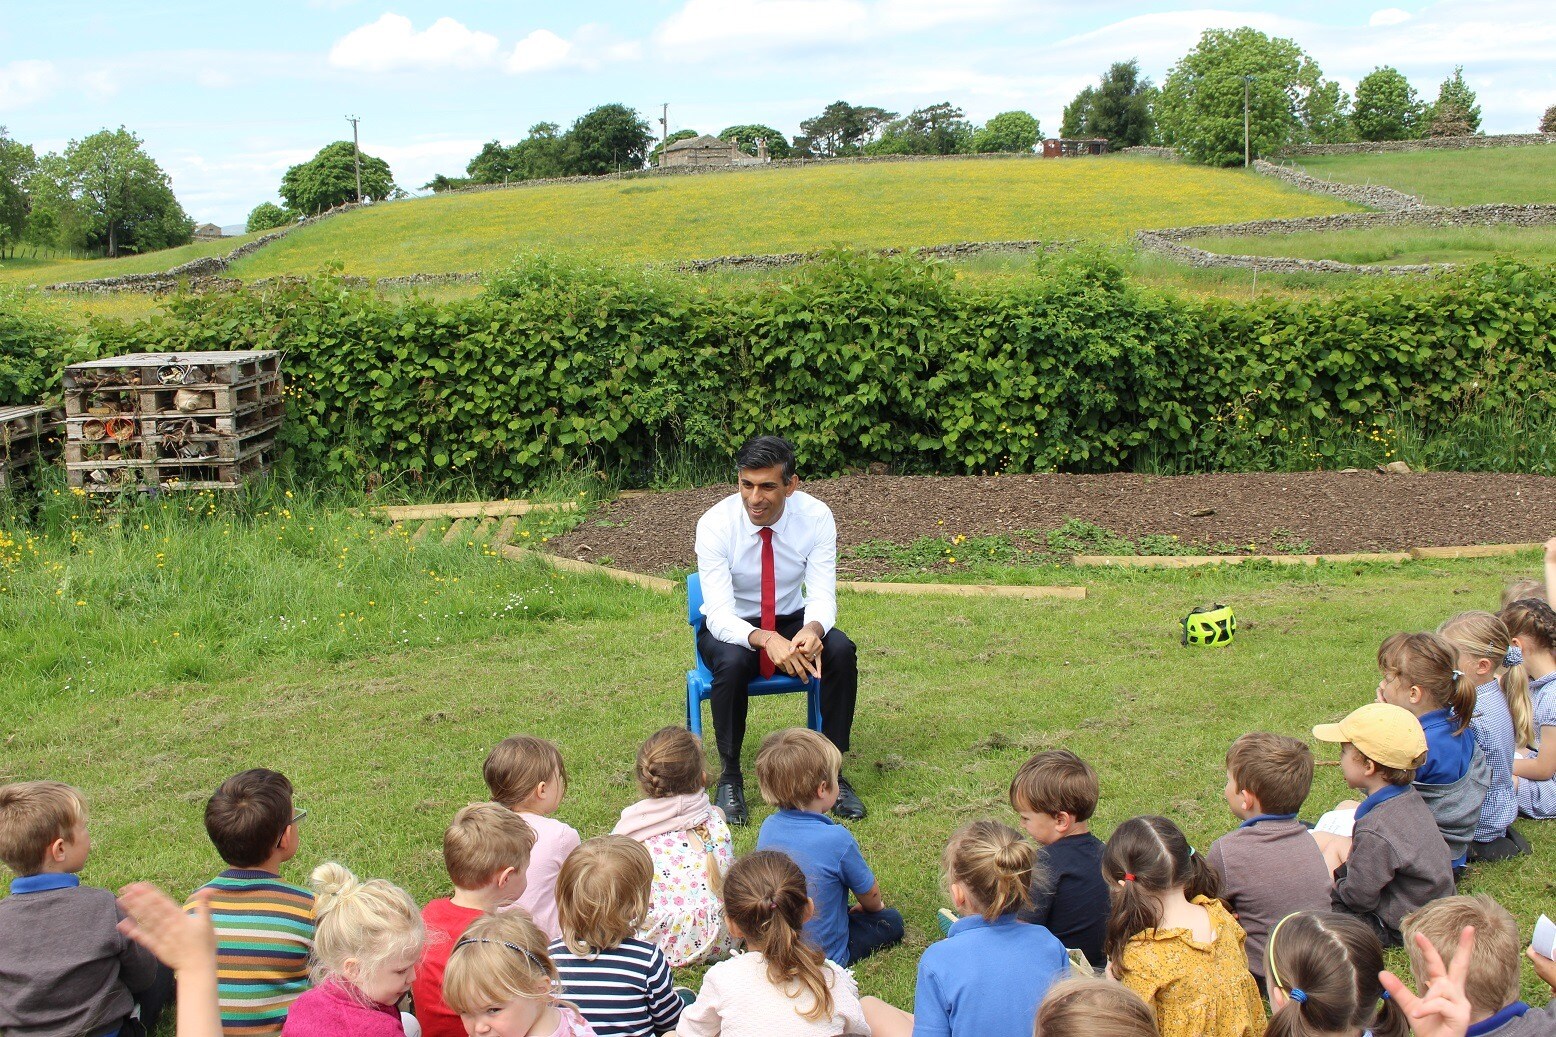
{"points": [[694, 599]]}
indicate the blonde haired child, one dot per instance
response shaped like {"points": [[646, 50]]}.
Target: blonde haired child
{"points": [[1089, 1007], [367, 941], [783, 986], [988, 867], [502, 983], [1531, 625], [526, 774], [1323, 974], [1169, 939], [1502, 722], [621, 984], [690, 843]]}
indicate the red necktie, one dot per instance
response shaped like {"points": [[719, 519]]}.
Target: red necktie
{"points": [[769, 596]]}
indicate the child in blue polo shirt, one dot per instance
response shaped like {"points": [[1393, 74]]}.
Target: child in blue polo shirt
{"points": [[797, 770]]}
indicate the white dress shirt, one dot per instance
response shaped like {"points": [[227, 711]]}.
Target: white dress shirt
{"points": [[729, 557]]}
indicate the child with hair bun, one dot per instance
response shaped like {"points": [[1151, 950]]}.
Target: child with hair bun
{"points": [[501, 982], [690, 843], [1323, 974], [1090, 1007], [1170, 941], [1502, 722], [961, 990], [1531, 626], [783, 986], [367, 941]]}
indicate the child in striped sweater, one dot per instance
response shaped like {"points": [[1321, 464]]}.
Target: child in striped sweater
{"points": [[621, 984]]}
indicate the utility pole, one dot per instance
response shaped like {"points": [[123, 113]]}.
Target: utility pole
{"points": [[1247, 82], [664, 130], [356, 149]]}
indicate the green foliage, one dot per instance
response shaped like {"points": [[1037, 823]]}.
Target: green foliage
{"points": [[747, 136], [17, 163], [267, 215], [659, 149], [540, 155], [1548, 120], [606, 139], [108, 192], [1456, 112], [1387, 107], [1326, 115], [1077, 114], [840, 129], [330, 179], [939, 129], [1202, 101], [1118, 109], [37, 346], [1009, 132]]}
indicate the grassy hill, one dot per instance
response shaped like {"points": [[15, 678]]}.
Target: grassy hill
{"points": [[785, 210], [1479, 177], [50, 271], [1396, 245]]}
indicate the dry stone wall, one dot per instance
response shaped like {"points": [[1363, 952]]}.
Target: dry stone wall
{"points": [[1500, 140], [1375, 197]]}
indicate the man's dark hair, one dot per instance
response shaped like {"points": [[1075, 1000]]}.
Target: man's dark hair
{"points": [[248, 815], [766, 452]]}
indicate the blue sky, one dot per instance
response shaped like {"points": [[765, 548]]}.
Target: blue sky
{"points": [[226, 96]]}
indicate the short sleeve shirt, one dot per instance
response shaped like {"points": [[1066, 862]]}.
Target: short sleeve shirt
{"points": [[829, 856]]}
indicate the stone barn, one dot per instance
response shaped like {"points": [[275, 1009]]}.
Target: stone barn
{"points": [[708, 150]]}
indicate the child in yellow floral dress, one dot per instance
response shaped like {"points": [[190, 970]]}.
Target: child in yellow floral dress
{"points": [[1170, 941]]}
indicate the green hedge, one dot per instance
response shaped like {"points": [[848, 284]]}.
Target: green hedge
{"points": [[857, 359]]}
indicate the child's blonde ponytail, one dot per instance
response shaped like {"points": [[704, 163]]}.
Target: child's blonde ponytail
{"points": [[993, 864]]}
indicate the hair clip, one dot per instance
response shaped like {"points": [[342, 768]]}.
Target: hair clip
{"points": [[1457, 674], [1383, 996], [1191, 851], [1299, 995]]}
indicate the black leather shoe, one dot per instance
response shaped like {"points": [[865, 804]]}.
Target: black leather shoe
{"points": [[848, 806], [730, 797]]}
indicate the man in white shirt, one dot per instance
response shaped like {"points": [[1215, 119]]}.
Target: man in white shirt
{"points": [[768, 561]]}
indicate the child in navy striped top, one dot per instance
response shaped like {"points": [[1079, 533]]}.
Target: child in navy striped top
{"points": [[620, 984]]}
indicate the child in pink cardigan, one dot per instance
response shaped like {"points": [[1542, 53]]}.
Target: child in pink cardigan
{"points": [[367, 941]]}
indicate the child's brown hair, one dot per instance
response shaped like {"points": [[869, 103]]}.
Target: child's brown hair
{"points": [[482, 840], [1277, 769], [1087, 1007], [792, 764], [602, 893], [993, 864], [1429, 662], [1146, 857], [33, 814], [671, 764], [1326, 965], [1519, 590], [1492, 982], [248, 815], [1390, 775], [1484, 636], [516, 766], [1056, 781], [766, 899]]}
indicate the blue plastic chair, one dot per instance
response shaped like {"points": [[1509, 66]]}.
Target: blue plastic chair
{"points": [[699, 682]]}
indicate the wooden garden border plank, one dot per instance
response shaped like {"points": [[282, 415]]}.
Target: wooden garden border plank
{"points": [[477, 509], [1191, 561], [1474, 551], [505, 531], [653, 583], [964, 590]]}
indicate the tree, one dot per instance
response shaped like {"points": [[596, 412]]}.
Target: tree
{"points": [[494, 165], [1077, 115], [1548, 123], [17, 163], [329, 179], [939, 129], [609, 138], [1120, 107], [840, 129], [1387, 107], [1456, 113], [267, 215], [747, 135], [123, 195], [659, 149], [1326, 114], [1008, 131], [1200, 110], [542, 154]]}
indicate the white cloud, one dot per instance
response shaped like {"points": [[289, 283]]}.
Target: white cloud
{"points": [[591, 48], [392, 44], [540, 51], [1388, 16], [24, 82], [706, 23]]}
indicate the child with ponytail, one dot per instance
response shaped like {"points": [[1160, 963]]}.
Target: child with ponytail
{"points": [[1170, 941], [1531, 625], [1323, 975], [367, 941], [1502, 722], [783, 986], [501, 982], [690, 844]]}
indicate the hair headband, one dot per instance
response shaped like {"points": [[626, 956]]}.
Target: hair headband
{"points": [[1269, 952], [467, 941]]}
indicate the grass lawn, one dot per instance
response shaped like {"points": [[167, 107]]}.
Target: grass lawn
{"points": [[148, 654], [1472, 177], [1390, 245], [51, 271], [785, 210]]}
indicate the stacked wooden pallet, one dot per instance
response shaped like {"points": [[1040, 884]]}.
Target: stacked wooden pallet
{"points": [[200, 421], [27, 435]]}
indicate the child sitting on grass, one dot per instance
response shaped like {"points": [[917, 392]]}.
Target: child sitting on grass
{"points": [[1055, 793], [527, 775], [798, 770], [501, 982], [1323, 974], [1171, 941], [1090, 1007], [1394, 865], [1267, 780], [783, 986], [1492, 982], [486, 851], [264, 924], [620, 984], [65, 966], [690, 844], [368, 938], [1532, 627]]}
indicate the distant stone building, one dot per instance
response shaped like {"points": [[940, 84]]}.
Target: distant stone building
{"points": [[207, 232], [708, 150], [1064, 147]]}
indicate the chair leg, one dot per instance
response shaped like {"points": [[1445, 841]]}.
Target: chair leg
{"points": [[813, 704], [693, 711]]}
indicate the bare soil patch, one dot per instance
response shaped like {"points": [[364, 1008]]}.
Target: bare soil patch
{"points": [[1326, 512]]}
